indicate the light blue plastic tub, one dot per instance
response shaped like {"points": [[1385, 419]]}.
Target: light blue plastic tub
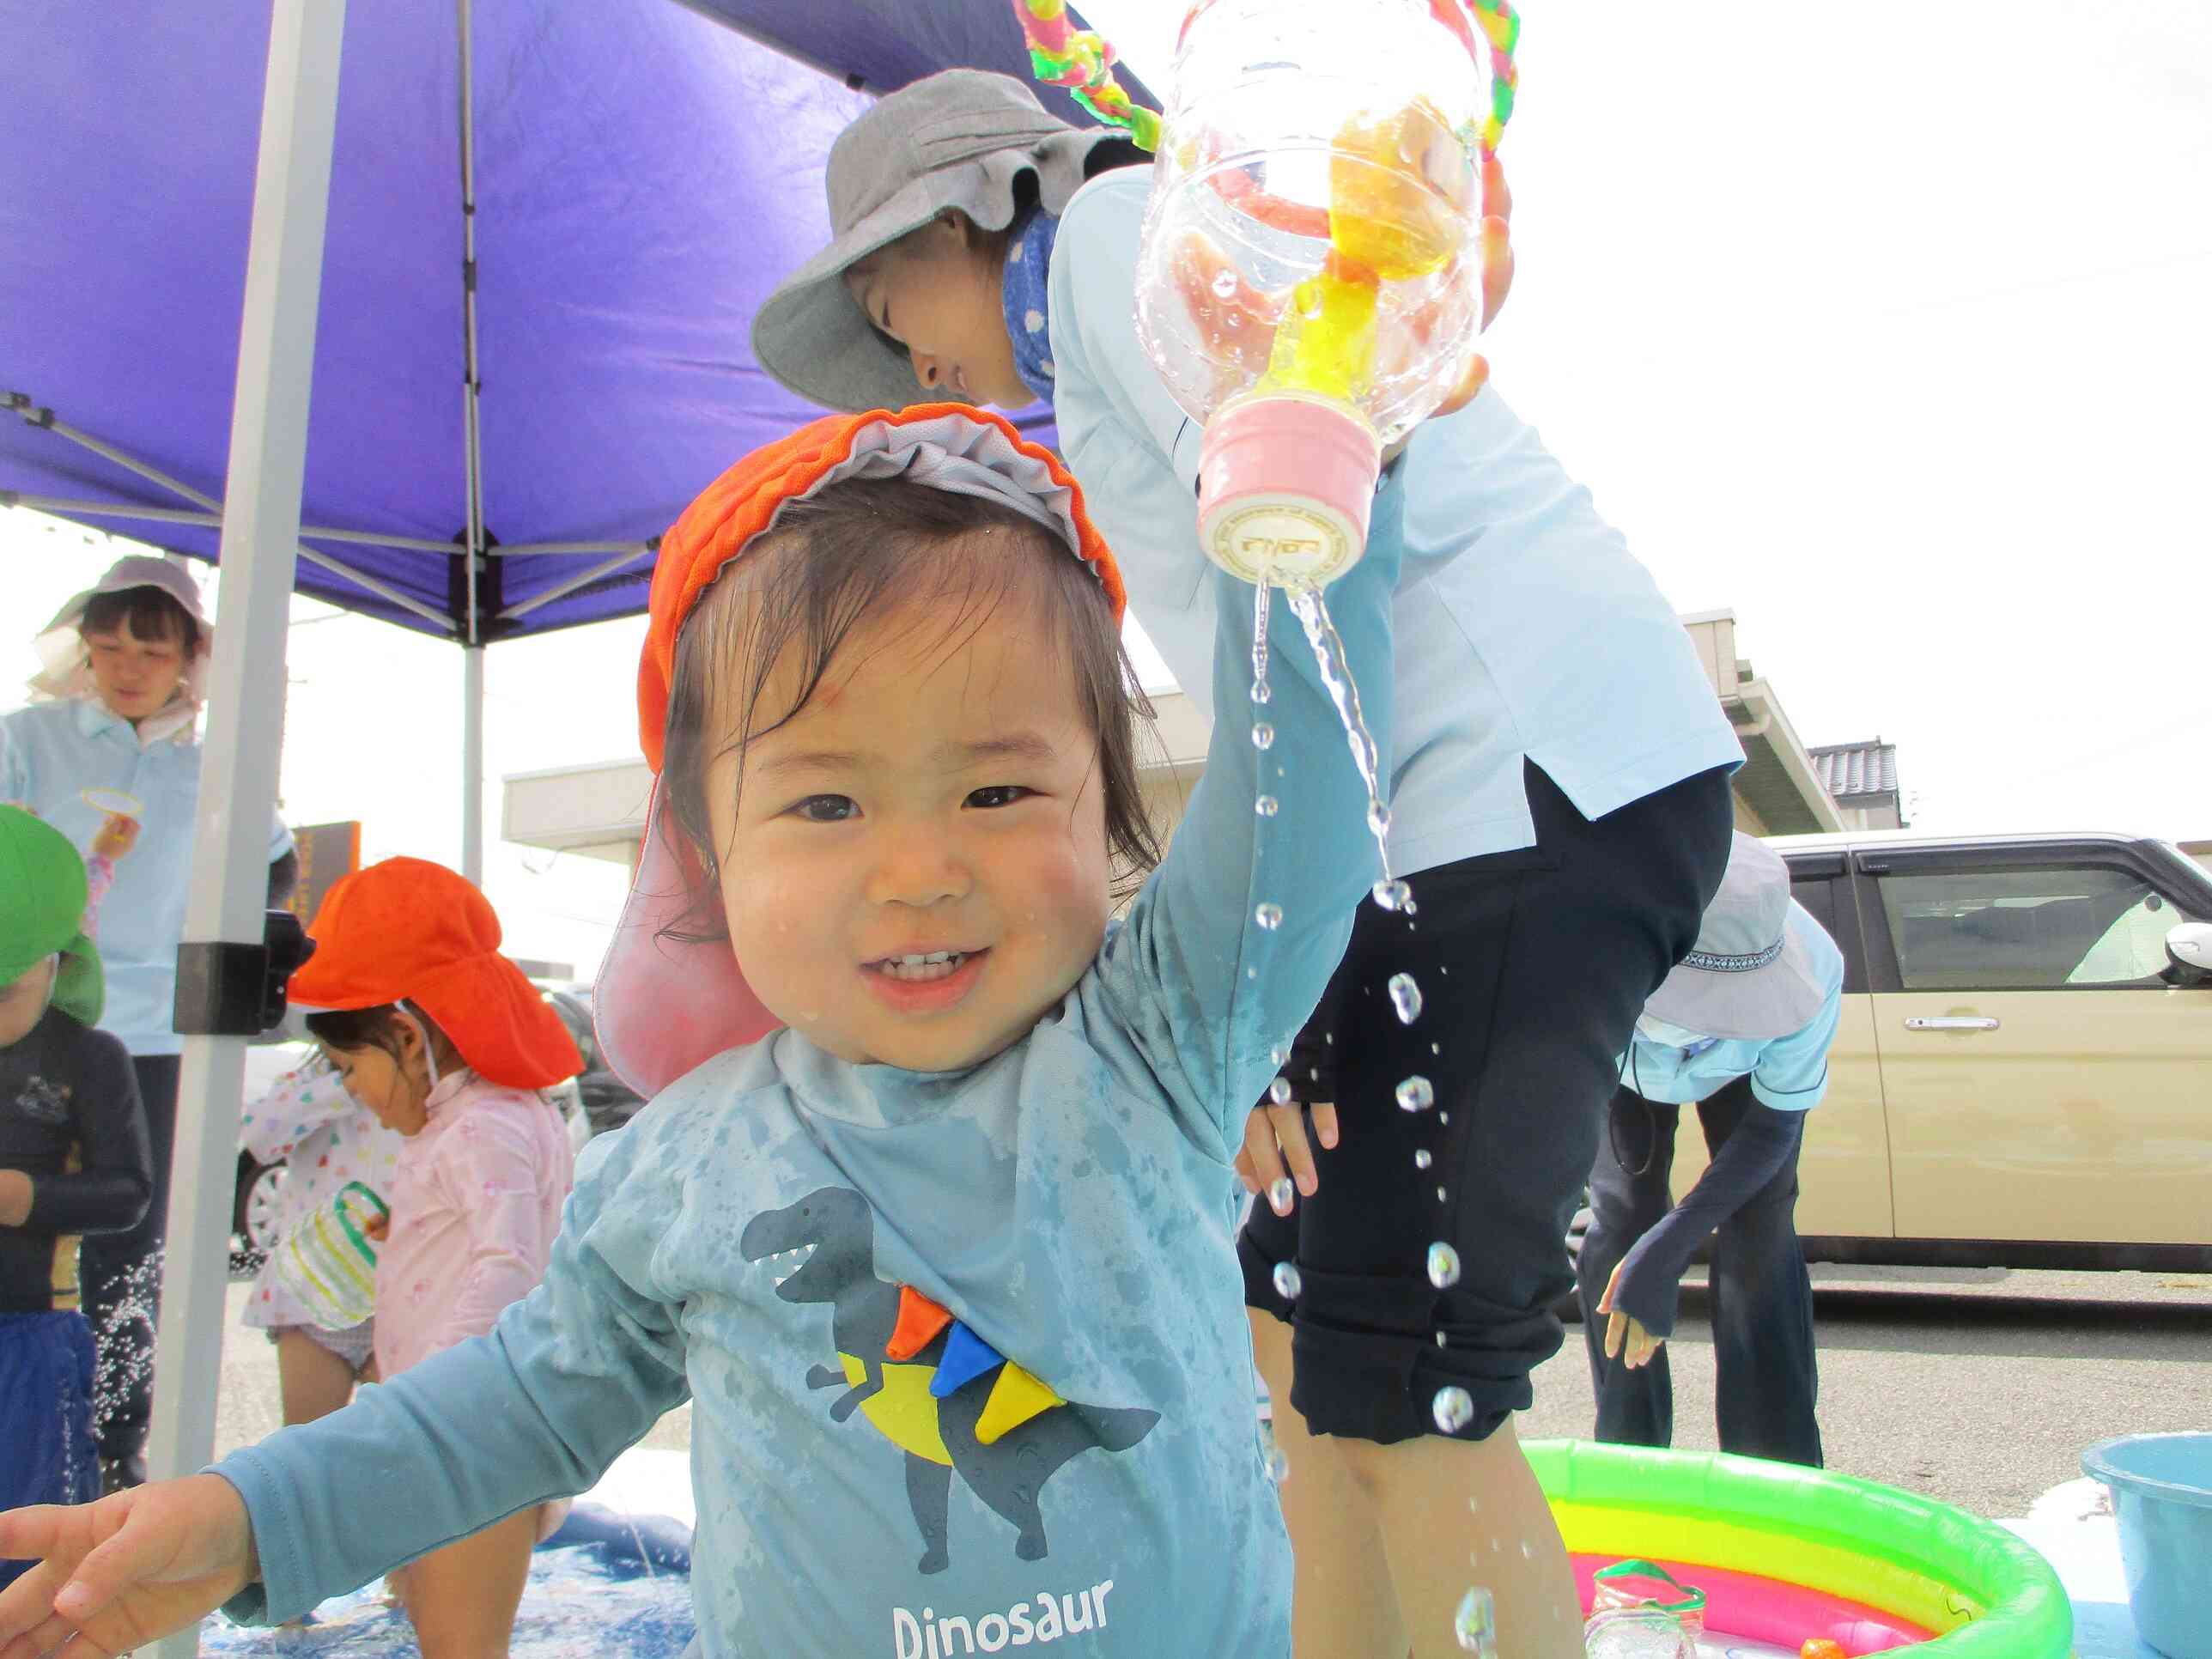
{"points": [[2161, 1488]]}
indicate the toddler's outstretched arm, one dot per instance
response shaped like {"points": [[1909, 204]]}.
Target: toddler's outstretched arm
{"points": [[123, 1572]]}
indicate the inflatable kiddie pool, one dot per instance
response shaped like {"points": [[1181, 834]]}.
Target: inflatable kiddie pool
{"points": [[1784, 1554]]}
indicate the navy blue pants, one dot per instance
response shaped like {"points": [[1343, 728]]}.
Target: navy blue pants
{"points": [[1533, 965], [1767, 1381], [46, 1453]]}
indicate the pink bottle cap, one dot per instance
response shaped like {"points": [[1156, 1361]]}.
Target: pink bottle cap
{"points": [[1286, 483]]}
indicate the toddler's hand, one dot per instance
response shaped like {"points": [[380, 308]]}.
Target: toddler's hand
{"points": [[1275, 1138], [120, 1573], [117, 837]]}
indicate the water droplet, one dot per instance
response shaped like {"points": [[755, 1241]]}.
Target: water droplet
{"points": [[1279, 1193], [1277, 1054], [1440, 1339], [1443, 1118], [1473, 1507], [1225, 285], [1405, 997], [1263, 735], [1261, 692], [1394, 896], [1265, 806], [1269, 916], [1443, 1266], [1279, 1467], [1421, 1158], [1440, 1194], [1453, 1409], [1475, 1623], [1378, 818], [1287, 1282], [1279, 1091], [1436, 1047], [1414, 1094], [1527, 1551]]}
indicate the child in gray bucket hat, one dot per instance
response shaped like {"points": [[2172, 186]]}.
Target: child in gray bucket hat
{"points": [[1558, 766], [1741, 1030]]}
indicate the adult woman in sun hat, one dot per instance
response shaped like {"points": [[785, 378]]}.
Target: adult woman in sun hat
{"points": [[114, 724], [1559, 801], [1741, 1029]]}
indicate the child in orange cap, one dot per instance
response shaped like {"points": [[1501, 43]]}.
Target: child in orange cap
{"points": [[446, 1042], [931, 1214]]}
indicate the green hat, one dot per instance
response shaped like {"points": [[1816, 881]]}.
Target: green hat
{"points": [[42, 895]]}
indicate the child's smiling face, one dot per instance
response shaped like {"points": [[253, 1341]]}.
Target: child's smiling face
{"points": [[939, 293], [914, 865]]}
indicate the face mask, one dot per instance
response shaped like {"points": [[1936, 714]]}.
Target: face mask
{"points": [[1669, 1035]]}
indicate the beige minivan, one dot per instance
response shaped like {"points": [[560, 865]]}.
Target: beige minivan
{"points": [[2023, 1076]]}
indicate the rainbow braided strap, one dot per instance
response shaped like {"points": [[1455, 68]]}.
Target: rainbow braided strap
{"points": [[1501, 26], [1082, 61]]}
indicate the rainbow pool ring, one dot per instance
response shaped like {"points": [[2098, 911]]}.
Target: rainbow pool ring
{"points": [[1784, 1553]]}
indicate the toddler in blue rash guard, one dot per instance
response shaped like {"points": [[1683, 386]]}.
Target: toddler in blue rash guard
{"points": [[930, 1215]]}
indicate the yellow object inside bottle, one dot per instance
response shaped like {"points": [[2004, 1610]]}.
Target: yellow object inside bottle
{"points": [[1386, 223]]}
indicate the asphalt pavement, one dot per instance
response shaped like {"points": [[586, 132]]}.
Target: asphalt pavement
{"points": [[1978, 1388]]}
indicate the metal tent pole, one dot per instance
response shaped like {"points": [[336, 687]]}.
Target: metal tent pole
{"points": [[472, 761], [472, 640], [238, 777]]}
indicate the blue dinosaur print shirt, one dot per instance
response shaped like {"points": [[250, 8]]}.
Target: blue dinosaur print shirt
{"points": [[967, 1352]]}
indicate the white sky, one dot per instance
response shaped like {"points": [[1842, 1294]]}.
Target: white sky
{"points": [[1899, 345]]}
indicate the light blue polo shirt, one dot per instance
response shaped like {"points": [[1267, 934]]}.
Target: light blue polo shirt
{"points": [[1525, 627], [1789, 1074], [49, 754]]}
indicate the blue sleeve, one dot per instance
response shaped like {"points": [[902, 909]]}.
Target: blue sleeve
{"points": [[1206, 989], [570, 1378], [1792, 1075], [1651, 1273], [1129, 444]]}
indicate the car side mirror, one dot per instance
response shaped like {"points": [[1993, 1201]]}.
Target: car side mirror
{"points": [[2189, 949]]}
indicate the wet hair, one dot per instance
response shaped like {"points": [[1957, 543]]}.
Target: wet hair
{"points": [[147, 613], [837, 561], [355, 1029]]}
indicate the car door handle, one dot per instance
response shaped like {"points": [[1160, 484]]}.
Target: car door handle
{"points": [[1951, 1022]]}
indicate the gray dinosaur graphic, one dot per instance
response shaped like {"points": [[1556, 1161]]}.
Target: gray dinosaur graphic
{"points": [[1008, 1474]]}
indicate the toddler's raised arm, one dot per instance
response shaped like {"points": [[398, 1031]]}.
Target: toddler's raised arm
{"points": [[1228, 948]]}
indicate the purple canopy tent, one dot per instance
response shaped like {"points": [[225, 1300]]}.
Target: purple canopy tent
{"points": [[496, 263]]}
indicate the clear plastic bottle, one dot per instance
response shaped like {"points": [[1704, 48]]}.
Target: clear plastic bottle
{"points": [[1310, 283]]}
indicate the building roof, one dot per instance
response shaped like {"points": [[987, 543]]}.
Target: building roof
{"points": [[1853, 769]]}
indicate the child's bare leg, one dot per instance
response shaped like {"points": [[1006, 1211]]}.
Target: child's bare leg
{"points": [[1438, 1545], [463, 1598], [313, 1381], [1343, 1606]]}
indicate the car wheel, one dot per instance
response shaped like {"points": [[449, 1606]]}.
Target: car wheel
{"points": [[253, 1212]]}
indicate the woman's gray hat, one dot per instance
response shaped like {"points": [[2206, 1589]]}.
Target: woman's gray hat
{"points": [[1751, 975], [958, 139]]}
